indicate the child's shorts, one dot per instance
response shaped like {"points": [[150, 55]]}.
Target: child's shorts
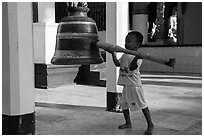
{"points": [[132, 98]]}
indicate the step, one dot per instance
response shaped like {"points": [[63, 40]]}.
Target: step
{"points": [[49, 76]]}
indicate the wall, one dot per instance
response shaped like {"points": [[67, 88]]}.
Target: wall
{"points": [[188, 59], [39, 42], [193, 23], [44, 35]]}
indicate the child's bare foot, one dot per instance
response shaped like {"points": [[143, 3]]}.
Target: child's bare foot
{"points": [[125, 126], [149, 130]]}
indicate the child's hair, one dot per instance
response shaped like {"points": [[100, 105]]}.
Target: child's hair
{"points": [[138, 35]]}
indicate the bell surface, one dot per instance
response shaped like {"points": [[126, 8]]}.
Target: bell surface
{"points": [[76, 39]]}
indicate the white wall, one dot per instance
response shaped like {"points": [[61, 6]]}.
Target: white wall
{"points": [[44, 35], [188, 59], [39, 42]]}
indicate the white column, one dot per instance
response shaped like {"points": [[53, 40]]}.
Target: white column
{"points": [[18, 116], [140, 19], [111, 37], [122, 23], [116, 30], [18, 66], [46, 12], [45, 33]]}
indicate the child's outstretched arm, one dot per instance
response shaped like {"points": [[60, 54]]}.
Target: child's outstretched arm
{"points": [[114, 48]]}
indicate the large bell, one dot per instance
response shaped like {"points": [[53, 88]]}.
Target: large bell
{"points": [[76, 39]]}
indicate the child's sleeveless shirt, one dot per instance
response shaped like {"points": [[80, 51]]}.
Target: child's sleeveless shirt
{"points": [[127, 77]]}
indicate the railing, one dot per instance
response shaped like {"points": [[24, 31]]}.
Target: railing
{"points": [[97, 11]]}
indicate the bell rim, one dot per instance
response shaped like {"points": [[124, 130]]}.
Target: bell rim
{"points": [[76, 61]]}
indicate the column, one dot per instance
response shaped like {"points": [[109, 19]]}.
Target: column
{"points": [[18, 107], [140, 19], [116, 30]]}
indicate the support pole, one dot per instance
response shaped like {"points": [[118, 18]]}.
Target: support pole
{"points": [[18, 107], [116, 30]]}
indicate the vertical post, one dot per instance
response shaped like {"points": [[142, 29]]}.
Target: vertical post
{"points": [[18, 116], [110, 67], [116, 30], [140, 19]]}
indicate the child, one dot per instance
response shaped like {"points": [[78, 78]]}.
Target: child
{"points": [[129, 78]]}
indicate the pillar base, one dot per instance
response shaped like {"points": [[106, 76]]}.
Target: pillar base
{"points": [[18, 124], [113, 102]]}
